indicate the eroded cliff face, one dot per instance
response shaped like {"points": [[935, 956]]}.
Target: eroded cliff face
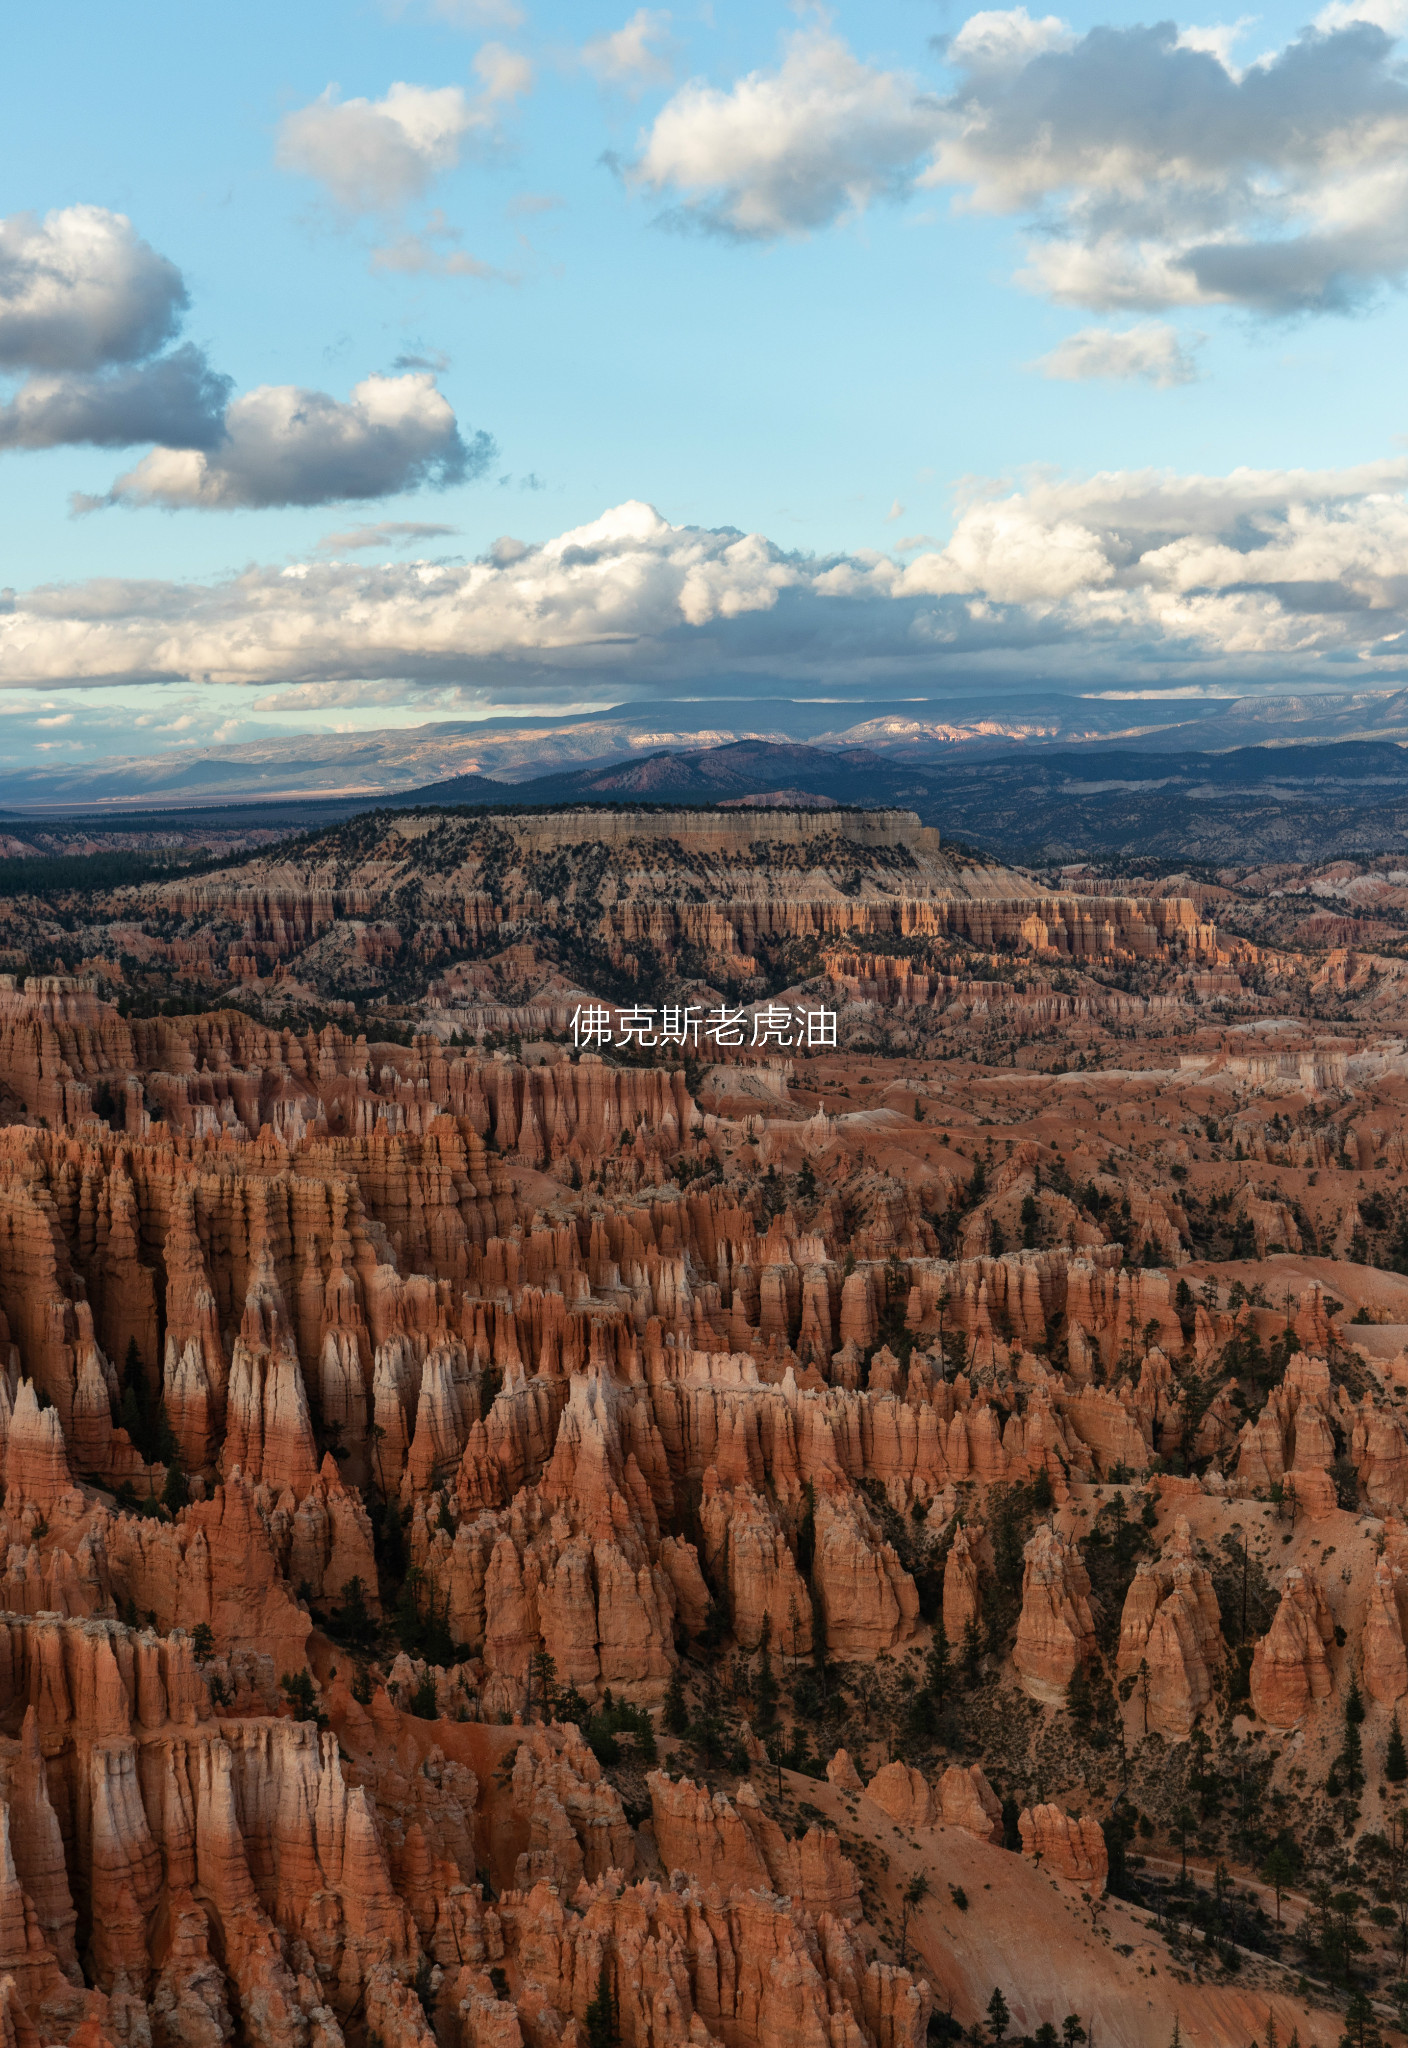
{"points": [[493, 923], [455, 1502]]}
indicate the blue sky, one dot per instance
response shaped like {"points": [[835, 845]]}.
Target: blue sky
{"points": [[782, 271]]}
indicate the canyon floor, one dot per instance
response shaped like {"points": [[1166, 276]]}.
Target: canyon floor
{"points": [[674, 1541]]}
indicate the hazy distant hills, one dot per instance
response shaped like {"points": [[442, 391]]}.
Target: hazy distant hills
{"points": [[1291, 778], [921, 733]]}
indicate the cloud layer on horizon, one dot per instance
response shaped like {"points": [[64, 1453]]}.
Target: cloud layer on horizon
{"points": [[1137, 578]]}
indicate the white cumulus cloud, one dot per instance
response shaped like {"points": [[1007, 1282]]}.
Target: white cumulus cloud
{"points": [[1151, 350], [286, 446], [1163, 176], [1389, 15], [1153, 170], [176, 398], [787, 151], [88, 309], [1004, 39], [80, 290], [373, 155]]}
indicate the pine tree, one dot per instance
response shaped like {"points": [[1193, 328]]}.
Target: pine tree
{"points": [[765, 1686], [676, 1715], [938, 1671], [1352, 1755], [998, 2016], [1395, 1756], [542, 1682], [806, 1533], [1362, 2028], [1079, 1704], [134, 1409], [166, 1446], [602, 2028], [298, 1686], [130, 1418], [914, 1894], [175, 1494], [1279, 1872], [353, 1622]]}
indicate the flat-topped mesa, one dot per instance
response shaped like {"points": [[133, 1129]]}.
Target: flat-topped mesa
{"points": [[718, 831]]}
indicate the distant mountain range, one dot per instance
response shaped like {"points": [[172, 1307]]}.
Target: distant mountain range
{"points": [[921, 732], [1047, 780], [1031, 804], [1306, 802]]}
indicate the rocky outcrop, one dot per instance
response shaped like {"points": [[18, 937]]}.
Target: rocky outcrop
{"points": [[905, 1794], [1385, 1659], [575, 1822], [966, 1800], [745, 1544], [1290, 1670], [723, 1842], [962, 1600], [1068, 1848], [1055, 1630], [36, 1460], [1170, 1639], [1292, 1442], [868, 1599]]}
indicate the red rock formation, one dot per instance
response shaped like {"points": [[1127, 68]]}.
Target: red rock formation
{"points": [[1070, 1849], [966, 1800], [962, 1601], [732, 1842], [36, 1461], [764, 1586], [842, 1773], [905, 1794], [1385, 1657], [1289, 1667], [1170, 1639], [868, 1598], [1055, 1631], [618, 1409]]}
